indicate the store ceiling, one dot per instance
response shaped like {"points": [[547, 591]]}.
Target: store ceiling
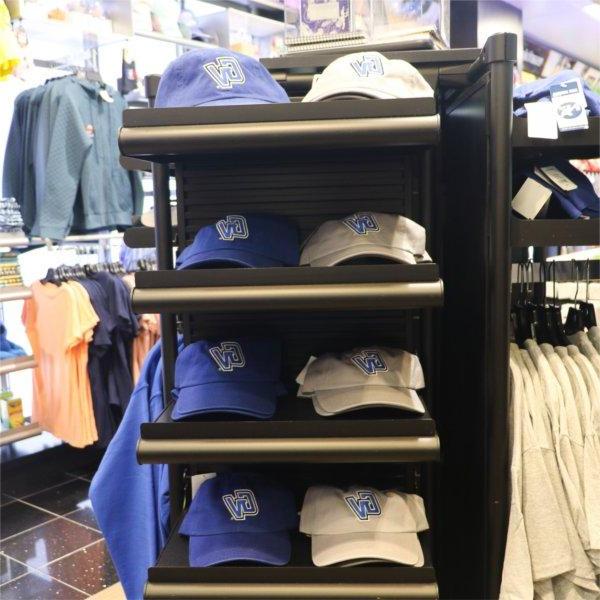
{"points": [[562, 25]]}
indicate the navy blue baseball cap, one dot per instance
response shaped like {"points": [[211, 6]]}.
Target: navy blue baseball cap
{"points": [[216, 76], [240, 517], [245, 241], [238, 376]]}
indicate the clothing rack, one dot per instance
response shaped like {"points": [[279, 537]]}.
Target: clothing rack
{"points": [[333, 306]]}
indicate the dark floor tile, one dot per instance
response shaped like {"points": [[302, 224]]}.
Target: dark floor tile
{"points": [[85, 516], [48, 542], [25, 482], [90, 570], [63, 498], [10, 569], [16, 517], [36, 586]]}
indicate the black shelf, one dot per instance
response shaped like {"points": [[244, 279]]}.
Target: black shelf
{"points": [[161, 134], [554, 232], [350, 287], [294, 434], [173, 578], [584, 143]]}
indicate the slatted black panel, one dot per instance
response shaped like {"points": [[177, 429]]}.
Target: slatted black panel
{"points": [[310, 188]]}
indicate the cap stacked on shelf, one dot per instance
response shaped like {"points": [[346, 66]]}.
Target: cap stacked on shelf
{"points": [[240, 517], [363, 378], [365, 235], [238, 376], [362, 524]]}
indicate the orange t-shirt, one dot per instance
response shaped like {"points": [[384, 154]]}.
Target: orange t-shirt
{"points": [[59, 321]]}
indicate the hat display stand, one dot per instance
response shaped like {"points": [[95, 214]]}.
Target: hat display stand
{"points": [[311, 163]]}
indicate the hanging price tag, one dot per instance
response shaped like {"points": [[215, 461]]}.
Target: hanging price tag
{"points": [[569, 105]]}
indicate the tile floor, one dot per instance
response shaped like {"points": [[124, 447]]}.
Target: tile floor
{"points": [[50, 545]]}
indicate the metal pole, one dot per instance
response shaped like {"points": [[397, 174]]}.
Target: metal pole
{"points": [[498, 310], [164, 258]]}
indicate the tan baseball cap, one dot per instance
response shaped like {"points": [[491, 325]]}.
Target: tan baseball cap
{"points": [[363, 378], [362, 525]]}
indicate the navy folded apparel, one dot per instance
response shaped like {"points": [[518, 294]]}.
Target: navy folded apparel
{"points": [[539, 90]]}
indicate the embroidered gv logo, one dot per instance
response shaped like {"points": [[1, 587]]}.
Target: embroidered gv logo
{"points": [[361, 223], [232, 227], [241, 504], [228, 356], [367, 65], [370, 362], [226, 72], [364, 504]]}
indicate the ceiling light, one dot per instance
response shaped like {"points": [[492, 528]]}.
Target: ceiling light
{"points": [[592, 10]]}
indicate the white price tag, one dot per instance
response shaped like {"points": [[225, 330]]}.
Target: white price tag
{"points": [[531, 198], [559, 179], [541, 120], [105, 96]]}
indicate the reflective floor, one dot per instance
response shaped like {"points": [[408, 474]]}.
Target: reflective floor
{"points": [[50, 545]]}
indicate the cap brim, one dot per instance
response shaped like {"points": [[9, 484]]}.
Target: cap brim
{"points": [[330, 92], [233, 101], [369, 250], [403, 548], [335, 402], [257, 400], [234, 257], [273, 548]]}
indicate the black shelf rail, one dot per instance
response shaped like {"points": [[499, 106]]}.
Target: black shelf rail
{"points": [[295, 435], [554, 232], [173, 578], [162, 134], [584, 143], [360, 287]]}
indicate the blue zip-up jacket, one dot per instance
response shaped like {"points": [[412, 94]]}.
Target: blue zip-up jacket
{"points": [[130, 500], [80, 184]]}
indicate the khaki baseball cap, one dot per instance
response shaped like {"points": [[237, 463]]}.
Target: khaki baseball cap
{"points": [[368, 74], [366, 235], [362, 525], [363, 378]]}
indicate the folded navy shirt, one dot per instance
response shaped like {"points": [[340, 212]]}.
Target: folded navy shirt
{"points": [[580, 202], [539, 91]]}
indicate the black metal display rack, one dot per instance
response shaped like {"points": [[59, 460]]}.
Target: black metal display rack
{"points": [[444, 163]]}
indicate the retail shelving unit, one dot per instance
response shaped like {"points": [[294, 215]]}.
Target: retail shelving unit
{"points": [[314, 162], [486, 145]]}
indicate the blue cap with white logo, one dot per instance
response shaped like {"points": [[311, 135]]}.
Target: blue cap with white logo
{"points": [[240, 517], [238, 376], [216, 76], [245, 241]]}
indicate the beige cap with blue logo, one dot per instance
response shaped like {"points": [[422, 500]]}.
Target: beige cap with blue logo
{"points": [[368, 74], [362, 524], [365, 235], [363, 378]]}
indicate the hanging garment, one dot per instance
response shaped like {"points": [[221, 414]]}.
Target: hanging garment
{"points": [[130, 500], [62, 402], [581, 340], [594, 335], [10, 52], [581, 580], [62, 163]]}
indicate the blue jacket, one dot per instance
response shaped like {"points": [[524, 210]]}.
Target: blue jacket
{"points": [[130, 501]]}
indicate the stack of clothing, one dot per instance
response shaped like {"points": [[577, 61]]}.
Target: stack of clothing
{"points": [[10, 217], [62, 160], [8, 349]]}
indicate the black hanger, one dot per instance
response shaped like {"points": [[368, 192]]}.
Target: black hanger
{"points": [[559, 337], [574, 322], [519, 310], [51, 277], [587, 308]]}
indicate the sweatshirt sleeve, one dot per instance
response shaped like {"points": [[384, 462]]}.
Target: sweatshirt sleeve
{"points": [[11, 171], [68, 145]]}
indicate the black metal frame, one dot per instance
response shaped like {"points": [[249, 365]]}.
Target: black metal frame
{"points": [[474, 92]]}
